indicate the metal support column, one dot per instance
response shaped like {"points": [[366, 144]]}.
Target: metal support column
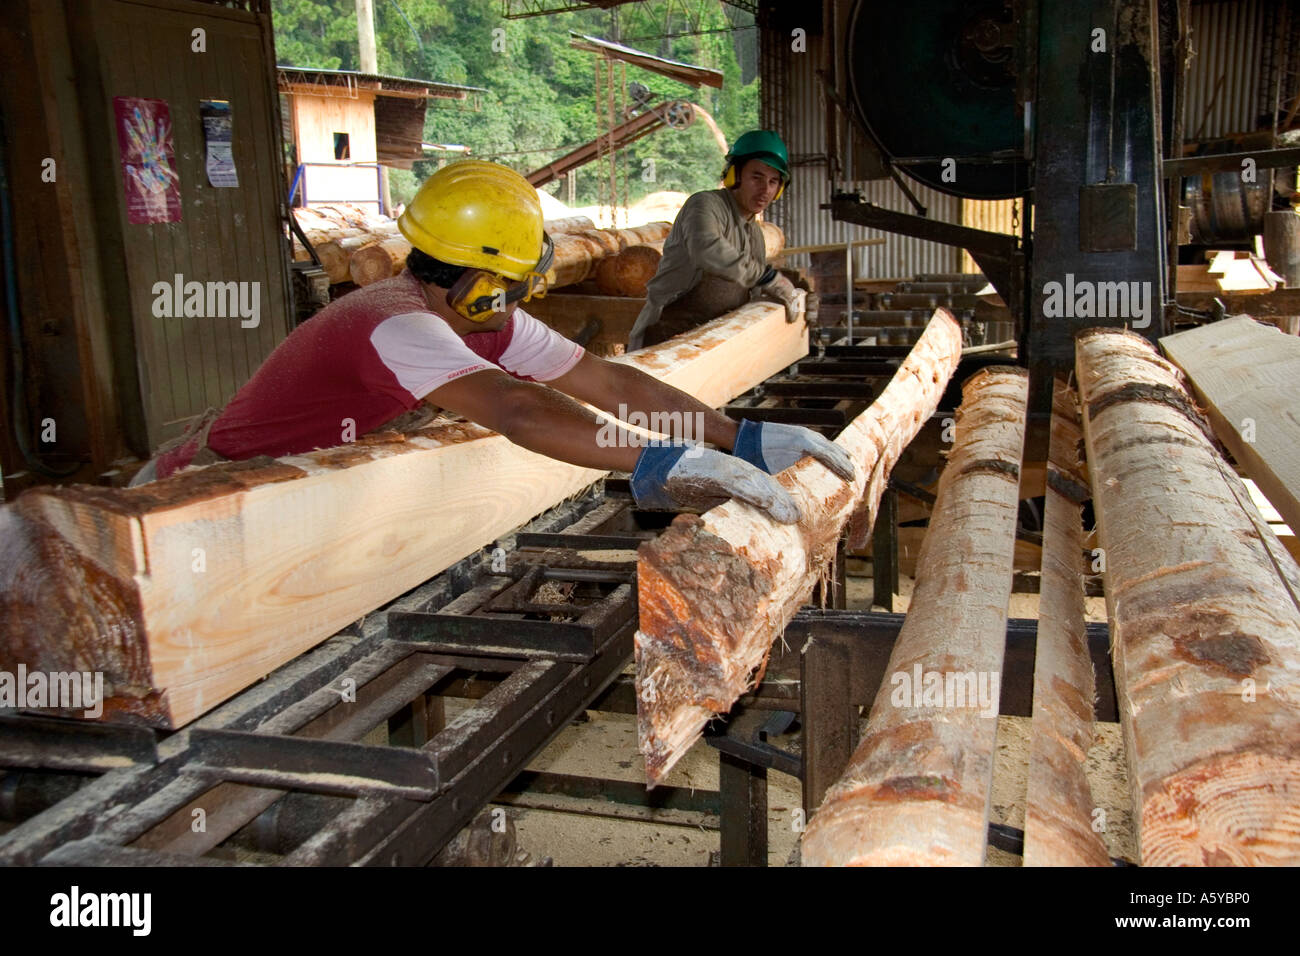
{"points": [[743, 789], [828, 716], [884, 552]]}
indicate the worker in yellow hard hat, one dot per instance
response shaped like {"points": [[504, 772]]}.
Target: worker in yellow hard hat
{"points": [[449, 332], [714, 258]]}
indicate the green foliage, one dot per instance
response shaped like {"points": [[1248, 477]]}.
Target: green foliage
{"points": [[539, 101]]}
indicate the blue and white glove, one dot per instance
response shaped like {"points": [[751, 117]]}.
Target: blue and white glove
{"points": [[681, 477], [774, 448]]}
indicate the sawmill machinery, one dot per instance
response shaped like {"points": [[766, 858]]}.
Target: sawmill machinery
{"points": [[1073, 108]]}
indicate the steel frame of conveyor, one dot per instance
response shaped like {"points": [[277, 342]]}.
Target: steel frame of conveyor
{"points": [[827, 666], [300, 730]]}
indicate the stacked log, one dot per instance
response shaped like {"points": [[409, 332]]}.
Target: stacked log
{"points": [[335, 223], [773, 239], [640, 235], [917, 790], [568, 224], [354, 247], [716, 590], [576, 256], [627, 273], [377, 261], [1205, 624]]}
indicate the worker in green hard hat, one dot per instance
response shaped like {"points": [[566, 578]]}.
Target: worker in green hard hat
{"points": [[714, 259]]}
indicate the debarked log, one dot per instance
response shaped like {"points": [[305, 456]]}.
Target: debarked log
{"points": [[1061, 826], [1205, 619], [716, 590], [917, 789]]}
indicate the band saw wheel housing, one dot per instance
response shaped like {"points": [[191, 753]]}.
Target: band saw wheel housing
{"points": [[937, 78]]}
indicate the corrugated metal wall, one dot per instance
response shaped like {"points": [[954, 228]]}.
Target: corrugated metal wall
{"points": [[1223, 84], [993, 215], [801, 120]]}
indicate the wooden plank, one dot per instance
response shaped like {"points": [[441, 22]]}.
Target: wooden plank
{"points": [[1247, 378], [1205, 623], [1262, 305], [1059, 820], [917, 790], [828, 247], [715, 591], [187, 590], [1197, 278]]}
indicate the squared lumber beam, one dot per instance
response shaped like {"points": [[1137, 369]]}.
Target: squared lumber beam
{"points": [[185, 591]]}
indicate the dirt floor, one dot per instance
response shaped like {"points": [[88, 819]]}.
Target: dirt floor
{"points": [[609, 834]]}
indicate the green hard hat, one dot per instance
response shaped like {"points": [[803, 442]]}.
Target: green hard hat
{"points": [[763, 145]]}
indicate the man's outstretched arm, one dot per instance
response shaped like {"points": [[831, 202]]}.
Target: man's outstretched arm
{"points": [[663, 476], [539, 419], [622, 389]]}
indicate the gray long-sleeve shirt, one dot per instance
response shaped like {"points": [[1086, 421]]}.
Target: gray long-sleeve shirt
{"points": [[710, 236]]}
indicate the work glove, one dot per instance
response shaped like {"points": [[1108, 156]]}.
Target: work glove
{"points": [[774, 448], [682, 477], [780, 289]]}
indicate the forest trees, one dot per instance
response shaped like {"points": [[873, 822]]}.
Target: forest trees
{"points": [[540, 99]]}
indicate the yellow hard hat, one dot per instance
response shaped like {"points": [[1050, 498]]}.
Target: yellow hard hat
{"points": [[477, 214]]}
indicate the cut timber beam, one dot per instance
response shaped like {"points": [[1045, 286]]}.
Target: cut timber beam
{"points": [[184, 591], [917, 790], [715, 591], [1247, 378], [1205, 623], [1059, 806]]}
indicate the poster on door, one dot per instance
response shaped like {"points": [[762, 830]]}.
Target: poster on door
{"points": [[149, 174], [219, 135]]}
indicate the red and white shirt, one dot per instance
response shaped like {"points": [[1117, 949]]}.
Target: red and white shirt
{"points": [[362, 361]]}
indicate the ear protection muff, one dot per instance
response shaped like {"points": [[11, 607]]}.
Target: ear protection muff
{"points": [[478, 294], [729, 181]]}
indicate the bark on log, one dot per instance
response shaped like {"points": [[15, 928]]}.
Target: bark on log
{"points": [[185, 591], [1059, 805], [628, 272], [606, 242], [1205, 623], [379, 260], [715, 591], [916, 792]]}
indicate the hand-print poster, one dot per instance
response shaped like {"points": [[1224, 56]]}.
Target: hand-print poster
{"points": [[144, 136]]}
